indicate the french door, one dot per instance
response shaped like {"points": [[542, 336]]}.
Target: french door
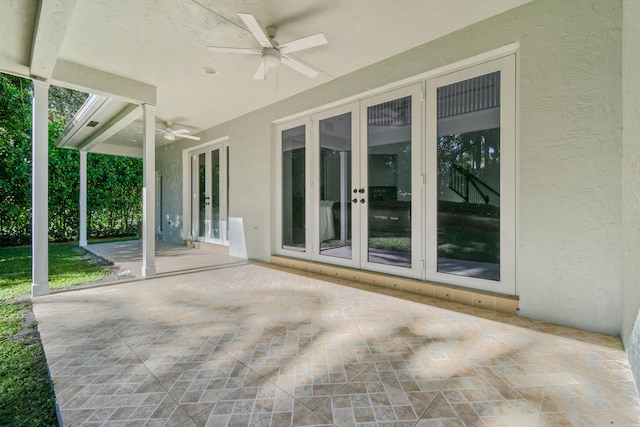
{"points": [[417, 182], [209, 190], [348, 187], [470, 171]]}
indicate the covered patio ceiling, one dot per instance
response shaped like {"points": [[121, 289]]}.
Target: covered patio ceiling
{"points": [[155, 51]]}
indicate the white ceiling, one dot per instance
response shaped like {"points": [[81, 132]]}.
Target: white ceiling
{"points": [[163, 44]]}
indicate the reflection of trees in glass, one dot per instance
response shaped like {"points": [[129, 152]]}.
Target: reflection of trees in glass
{"points": [[469, 229], [478, 153], [390, 166]]}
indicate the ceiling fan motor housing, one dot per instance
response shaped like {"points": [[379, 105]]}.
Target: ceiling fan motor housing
{"points": [[272, 57]]}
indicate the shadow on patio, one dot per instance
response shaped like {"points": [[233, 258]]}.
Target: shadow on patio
{"points": [[258, 345]]}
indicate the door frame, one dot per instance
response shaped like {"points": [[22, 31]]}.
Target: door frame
{"points": [[424, 207], [354, 109], [508, 148], [278, 197], [415, 91], [188, 175]]}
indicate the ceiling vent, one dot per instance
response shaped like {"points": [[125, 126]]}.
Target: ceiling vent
{"points": [[92, 124]]}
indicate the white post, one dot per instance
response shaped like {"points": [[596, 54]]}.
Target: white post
{"points": [[148, 191], [40, 189], [83, 199]]}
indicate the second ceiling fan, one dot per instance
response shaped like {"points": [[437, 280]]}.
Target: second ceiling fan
{"points": [[272, 53]]}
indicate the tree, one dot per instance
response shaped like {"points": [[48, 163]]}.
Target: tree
{"points": [[115, 183], [15, 160]]}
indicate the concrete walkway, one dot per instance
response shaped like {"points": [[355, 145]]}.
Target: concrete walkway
{"points": [[127, 257], [255, 345]]}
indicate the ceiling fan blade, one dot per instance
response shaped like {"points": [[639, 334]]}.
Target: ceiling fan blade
{"points": [[234, 50], [299, 66], [303, 43], [179, 131], [195, 138], [261, 71], [255, 29]]}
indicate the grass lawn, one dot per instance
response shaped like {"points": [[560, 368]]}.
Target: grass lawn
{"points": [[26, 391]]}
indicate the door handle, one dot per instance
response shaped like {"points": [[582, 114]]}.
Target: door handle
{"points": [[354, 201], [361, 190], [362, 200]]}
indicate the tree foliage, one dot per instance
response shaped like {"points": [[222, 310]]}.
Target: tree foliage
{"points": [[114, 183]]}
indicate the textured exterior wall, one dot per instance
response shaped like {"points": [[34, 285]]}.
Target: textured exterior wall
{"points": [[631, 184], [569, 255], [169, 165], [569, 251]]}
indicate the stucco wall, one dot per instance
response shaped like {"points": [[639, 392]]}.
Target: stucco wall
{"points": [[169, 166], [631, 184], [569, 153]]}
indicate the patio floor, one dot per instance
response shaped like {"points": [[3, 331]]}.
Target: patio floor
{"points": [[169, 258], [256, 345]]}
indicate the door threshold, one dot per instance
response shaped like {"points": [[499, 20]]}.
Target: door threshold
{"points": [[470, 297]]}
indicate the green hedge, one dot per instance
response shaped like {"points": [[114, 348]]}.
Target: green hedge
{"points": [[114, 183]]}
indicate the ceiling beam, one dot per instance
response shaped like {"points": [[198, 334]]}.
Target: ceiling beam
{"points": [[123, 119], [85, 79], [51, 25], [117, 150], [11, 67]]}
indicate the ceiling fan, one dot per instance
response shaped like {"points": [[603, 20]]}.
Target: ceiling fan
{"points": [[171, 134], [273, 54]]}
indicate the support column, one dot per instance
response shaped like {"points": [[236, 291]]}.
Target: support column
{"points": [[83, 199], [40, 189], [148, 191]]}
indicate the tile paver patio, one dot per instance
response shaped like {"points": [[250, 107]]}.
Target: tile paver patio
{"points": [[169, 258], [256, 345]]}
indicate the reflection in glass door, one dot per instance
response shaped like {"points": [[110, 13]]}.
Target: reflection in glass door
{"points": [[294, 189], [390, 142], [209, 186], [468, 149], [471, 176], [357, 191], [335, 207], [214, 233]]}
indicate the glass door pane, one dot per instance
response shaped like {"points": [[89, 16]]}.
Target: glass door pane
{"points": [[335, 186], [389, 176], [203, 199], [294, 189], [215, 194], [468, 188], [225, 225]]}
